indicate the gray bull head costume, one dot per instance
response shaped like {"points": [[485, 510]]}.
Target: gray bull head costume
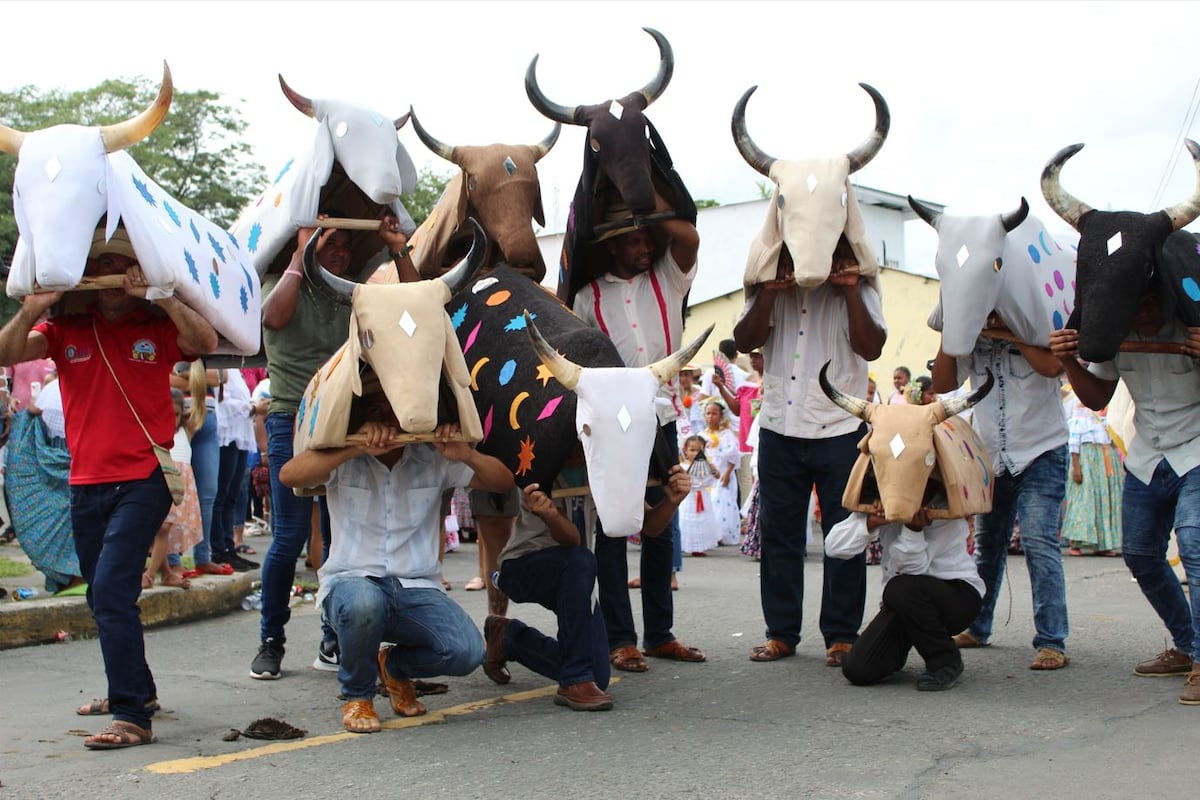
{"points": [[399, 339], [909, 444], [813, 204], [498, 187], [1007, 263], [1123, 255], [624, 161]]}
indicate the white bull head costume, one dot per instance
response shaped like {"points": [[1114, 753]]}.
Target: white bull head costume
{"points": [[900, 452], [617, 424], [813, 204], [355, 158], [402, 333], [69, 177], [1007, 263]]}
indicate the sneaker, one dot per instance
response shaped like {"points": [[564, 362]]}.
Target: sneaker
{"points": [[940, 679], [234, 560], [1190, 696], [265, 666], [329, 657], [1167, 663]]}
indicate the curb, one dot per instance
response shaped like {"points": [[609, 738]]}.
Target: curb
{"points": [[40, 621]]}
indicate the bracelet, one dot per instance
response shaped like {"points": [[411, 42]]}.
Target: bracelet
{"points": [[401, 254]]}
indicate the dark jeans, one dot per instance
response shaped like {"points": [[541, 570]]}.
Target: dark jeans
{"points": [[562, 580], [788, 468], [612, 569], [917, 611], [230, 479], [114, 525], [291, 524]]}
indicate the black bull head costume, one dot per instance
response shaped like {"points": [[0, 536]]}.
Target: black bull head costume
{"points": [[624, 162], [906, 447], [1123, 255]]}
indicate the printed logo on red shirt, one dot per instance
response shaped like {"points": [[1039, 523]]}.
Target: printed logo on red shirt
{"points": [[77, 354], [144, 351]]}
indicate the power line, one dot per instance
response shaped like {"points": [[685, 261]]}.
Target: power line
{"points": [[1173, 161]]}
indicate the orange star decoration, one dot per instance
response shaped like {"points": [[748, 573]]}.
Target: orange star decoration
{"points": [[525, 457], [544, 374]]}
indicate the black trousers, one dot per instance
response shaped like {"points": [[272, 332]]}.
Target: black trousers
{"points": [[917, 611]]}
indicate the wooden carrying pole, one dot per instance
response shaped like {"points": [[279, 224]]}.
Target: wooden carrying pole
{"points": [[346, 224], [1173, 348], [405, 438]]}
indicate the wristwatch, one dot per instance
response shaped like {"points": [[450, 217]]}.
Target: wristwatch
{"points": [[402, 253]]}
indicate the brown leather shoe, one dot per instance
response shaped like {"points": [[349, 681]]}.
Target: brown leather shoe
{"points": [[493, 654], [586, 696], [400, 691]]}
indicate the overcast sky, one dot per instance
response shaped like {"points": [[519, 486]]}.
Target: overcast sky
{"points": [[982, 94]]}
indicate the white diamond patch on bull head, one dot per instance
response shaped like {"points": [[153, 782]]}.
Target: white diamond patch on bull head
{"points": [[811, 183], [480, 285], [1114, 243], [408, 324], [53, 168], [624, 418], [897, 445], [962, 255], [510, 166], [616, 109]]}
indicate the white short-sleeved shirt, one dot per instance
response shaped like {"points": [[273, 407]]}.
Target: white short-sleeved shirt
{"points": [[643, 316], [808, 328], [1165, 388], [386, 522]]}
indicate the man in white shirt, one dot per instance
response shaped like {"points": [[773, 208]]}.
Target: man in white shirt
{"points": [[639, 305], [382, 581], [805, 440]]}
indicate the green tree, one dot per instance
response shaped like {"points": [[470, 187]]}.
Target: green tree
{"points": [[430, 185], [706, 204], [197, 154]]}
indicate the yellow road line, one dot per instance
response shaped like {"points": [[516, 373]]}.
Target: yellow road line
{"points": [[185, 765]]}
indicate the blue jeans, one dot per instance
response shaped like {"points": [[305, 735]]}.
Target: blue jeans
{"points": [[432, 634], [291, 524], [206, 466], [560, 579], [232, 477], [114, 526], [1035, 498], [612, 570], [1147, 515], [788, 468]]}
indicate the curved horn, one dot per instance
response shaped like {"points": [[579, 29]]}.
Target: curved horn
{"points": [[666, 67], [436, 145], [547, 108], [1014, 218], [957, 405], [1058, 198], [862, 154], [302, 103], [564, 370], [400, 122], [925, 212], [458, 278], [666, 368], [342, 289], [10, 140], [741, 137], [1183, 213], [543, 147], [853, 405], [120, 135]]}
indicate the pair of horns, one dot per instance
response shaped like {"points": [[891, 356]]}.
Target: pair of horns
{"points": [[567, 372], [566, 114], [447, 151], [119, 135], [859, 407], [1010, 221], [305, 105], [859, 156], [1071, 209]]}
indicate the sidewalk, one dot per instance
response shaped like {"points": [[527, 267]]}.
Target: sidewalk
{"points": [[43, 618]]}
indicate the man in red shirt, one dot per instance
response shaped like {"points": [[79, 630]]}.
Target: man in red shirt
{"points": [[119, 496]]}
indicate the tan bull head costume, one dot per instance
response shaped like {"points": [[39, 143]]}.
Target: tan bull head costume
{"points": [[813, 204], [909, 444], [400, 338]]}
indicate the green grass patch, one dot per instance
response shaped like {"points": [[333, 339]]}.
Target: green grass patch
{"points": [[14, 569]]}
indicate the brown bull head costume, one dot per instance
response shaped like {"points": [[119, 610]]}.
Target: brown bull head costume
{"points": [[498, 186], [813, 204], [624, 161], [1124, 254], [907, 444]]}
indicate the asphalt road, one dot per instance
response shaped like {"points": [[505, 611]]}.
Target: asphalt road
{"points": [[728, 728]]}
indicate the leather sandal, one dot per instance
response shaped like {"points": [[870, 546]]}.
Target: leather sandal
{"points": [[836, 654], [126, 733], [356, 712], [400, 691], [628, 659], [771, 650], [675, 650], [1049, 659], [99, 707]]}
